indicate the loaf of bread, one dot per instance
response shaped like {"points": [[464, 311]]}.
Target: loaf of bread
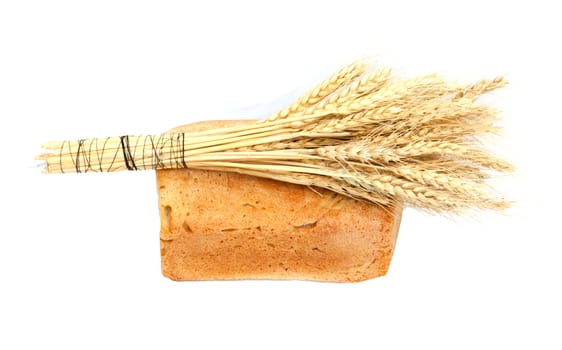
{"points": [[229, 226]]}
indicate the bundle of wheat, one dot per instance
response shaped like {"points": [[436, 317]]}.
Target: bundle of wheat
{"points": [[363, 133]]}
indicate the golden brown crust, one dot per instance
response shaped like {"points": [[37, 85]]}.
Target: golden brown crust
{"points": [[219, 225]]}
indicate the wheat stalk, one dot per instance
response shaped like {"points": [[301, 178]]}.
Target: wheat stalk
{"points": [[362, 133]]}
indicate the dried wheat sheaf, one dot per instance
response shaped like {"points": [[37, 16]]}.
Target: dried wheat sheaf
{"points": [[362, 132]]}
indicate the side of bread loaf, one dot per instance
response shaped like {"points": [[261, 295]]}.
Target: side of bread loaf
{"points": [[220, 225]]}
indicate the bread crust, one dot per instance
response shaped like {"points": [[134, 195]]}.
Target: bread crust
{"points": [[229, 226]]}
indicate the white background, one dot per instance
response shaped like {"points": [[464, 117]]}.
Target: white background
{"points": [[79, 254]]}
